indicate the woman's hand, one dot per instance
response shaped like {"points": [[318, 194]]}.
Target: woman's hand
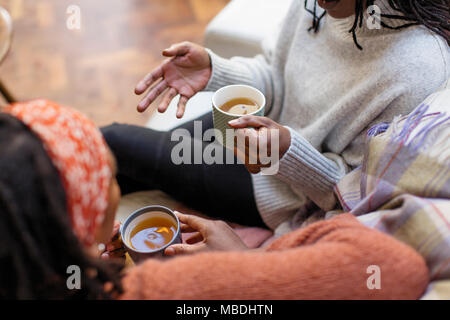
{"points": [[115, 247], [208, 235], [186, 72], [262, 132]]}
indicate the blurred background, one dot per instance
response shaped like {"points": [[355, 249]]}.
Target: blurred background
{"points": [[95, 68]]}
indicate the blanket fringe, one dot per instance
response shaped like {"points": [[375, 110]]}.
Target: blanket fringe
{"points": [[377, 129], [418, 130]]}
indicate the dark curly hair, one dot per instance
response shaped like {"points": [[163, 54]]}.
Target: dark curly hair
{"points": [[433, 14], [37, 243]]}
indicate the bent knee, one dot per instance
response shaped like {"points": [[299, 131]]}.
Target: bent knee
{"points": [[117, 135]]}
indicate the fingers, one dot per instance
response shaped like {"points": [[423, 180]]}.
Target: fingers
{"points": [[177, 249], [149, 79], [240, 153], [115, 248], [115, 233], [196, 223], [185, 228], [250, 121], [116, 253], [171, 93], [178, 49], [195, 238], [181, 106], [152, 95], [250, 143], [264, 137], [247, 143]]}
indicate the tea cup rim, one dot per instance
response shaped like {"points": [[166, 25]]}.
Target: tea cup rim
{"points": [[238, 115], [143, 210]]}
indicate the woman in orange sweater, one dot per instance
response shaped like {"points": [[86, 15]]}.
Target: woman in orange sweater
{"points": [[56, 160]]}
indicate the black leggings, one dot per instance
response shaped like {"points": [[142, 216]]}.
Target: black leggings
{"points": [[143, 155]]}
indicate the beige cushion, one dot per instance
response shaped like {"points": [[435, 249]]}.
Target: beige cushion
{"points": [[242, 26]]}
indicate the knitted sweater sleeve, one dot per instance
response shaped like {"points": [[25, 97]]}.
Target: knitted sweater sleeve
{"points": [[327, 260], [302, 167]]}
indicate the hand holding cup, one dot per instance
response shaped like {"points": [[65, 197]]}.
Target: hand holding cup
{"points": [[258, 131]]}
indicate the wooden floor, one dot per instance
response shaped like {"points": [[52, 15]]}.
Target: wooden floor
{"points": [[95, 69]]}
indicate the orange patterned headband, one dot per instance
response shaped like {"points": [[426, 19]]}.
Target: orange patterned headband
{"points": [[79, 152]]}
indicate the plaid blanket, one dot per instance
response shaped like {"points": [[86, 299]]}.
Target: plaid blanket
{"points": [[403, 185]]}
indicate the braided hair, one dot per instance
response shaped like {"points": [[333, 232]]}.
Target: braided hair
{"points": [[433, 14], [37, 243]]}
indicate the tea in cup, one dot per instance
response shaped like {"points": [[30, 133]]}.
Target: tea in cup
{"points": [[148, 231]]}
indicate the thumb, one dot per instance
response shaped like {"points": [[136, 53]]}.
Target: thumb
{"points": [[177, 249], [248, 121], [179, 49]]}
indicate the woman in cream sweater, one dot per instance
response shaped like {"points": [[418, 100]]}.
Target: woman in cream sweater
{"points": [[332, 76]]}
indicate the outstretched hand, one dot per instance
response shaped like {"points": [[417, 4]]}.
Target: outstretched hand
{"points": [[186, 72]]}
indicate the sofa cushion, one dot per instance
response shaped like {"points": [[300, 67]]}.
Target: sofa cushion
{"points": [[240, 28]]}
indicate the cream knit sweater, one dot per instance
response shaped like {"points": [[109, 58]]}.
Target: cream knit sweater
{"points": [[328, 93]]}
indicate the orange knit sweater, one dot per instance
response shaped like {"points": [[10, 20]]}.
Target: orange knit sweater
{"points": [[327, 260]]}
